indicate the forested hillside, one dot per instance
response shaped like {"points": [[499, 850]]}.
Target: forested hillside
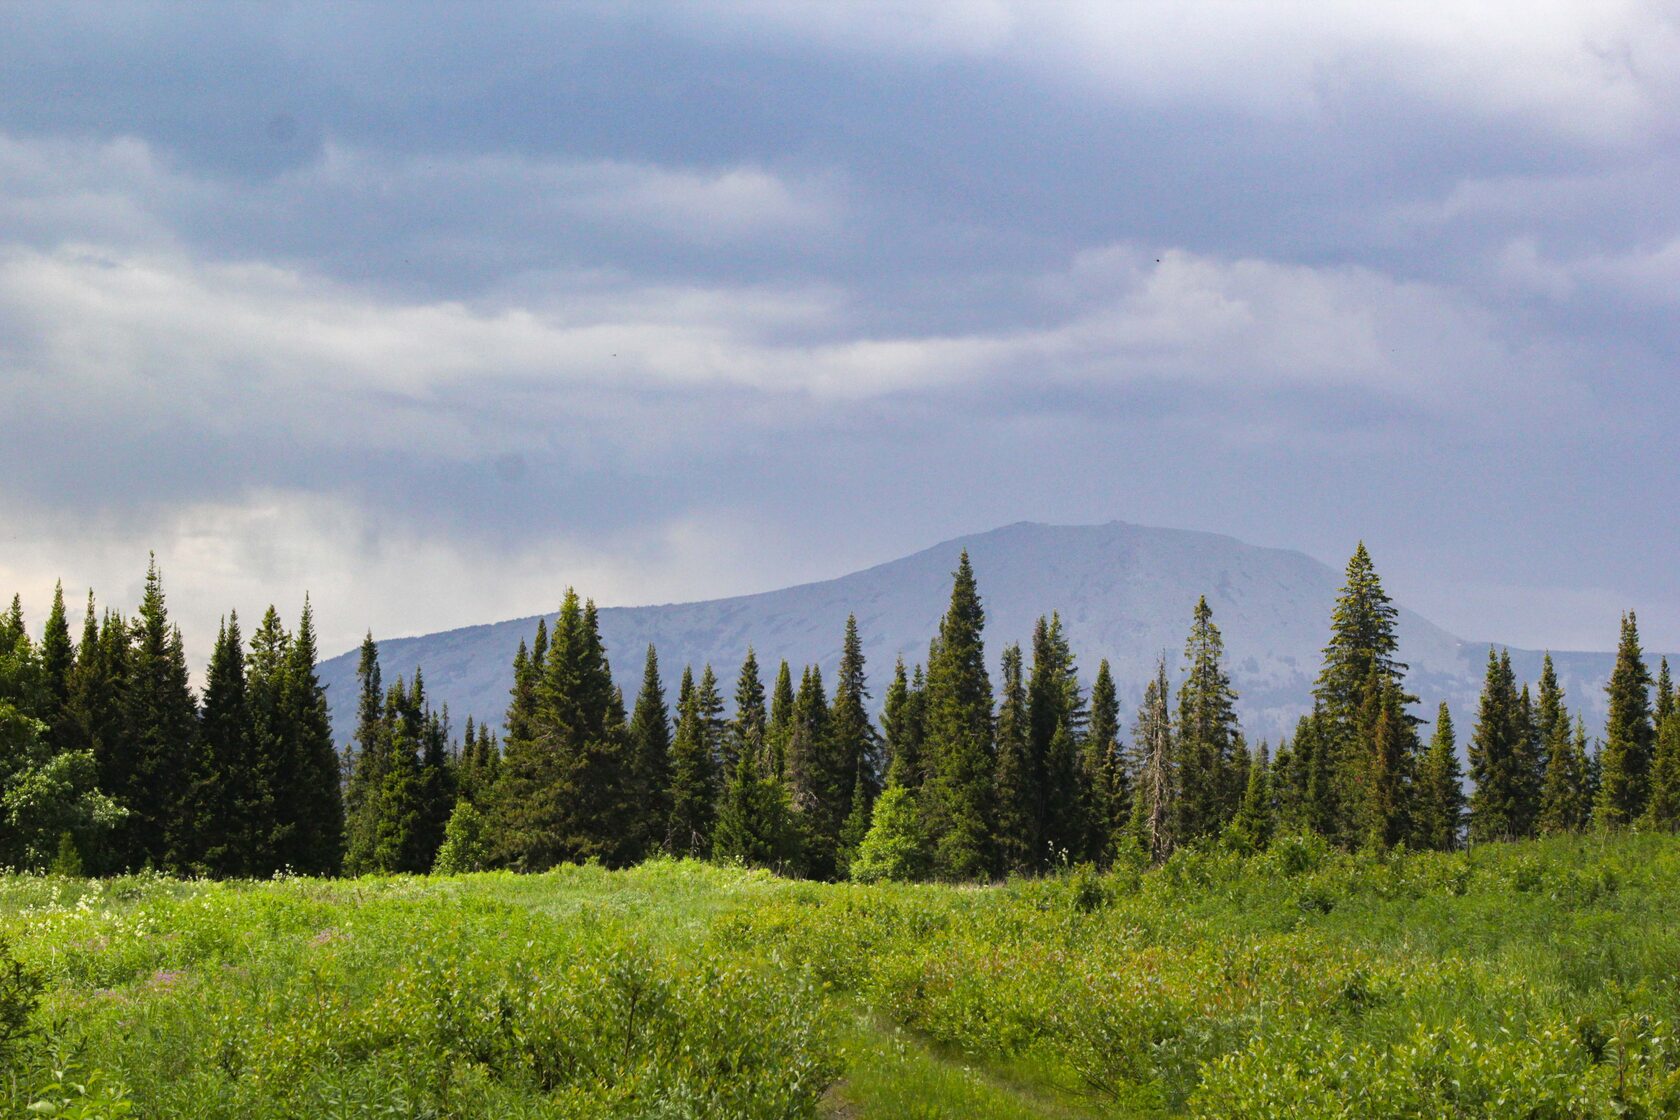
{"points": [[112, 763]]}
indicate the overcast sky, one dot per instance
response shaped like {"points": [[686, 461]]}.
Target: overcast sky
{"points": [[435, 309]]}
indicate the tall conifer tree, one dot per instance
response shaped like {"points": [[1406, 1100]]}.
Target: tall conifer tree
{"points": [[650, 743], [1625, 761], [781, 720], [1497, 756], [162, 726], [1055, 708], [1208, 735], [1154, 813], [903, 724], [1662, 808], [1256, 817], [58, 659], [1360, 660], [694, 781], [957, 793], [1440, 800], [1103, 780], [1016, 837], [223, 800], [309, 805]]}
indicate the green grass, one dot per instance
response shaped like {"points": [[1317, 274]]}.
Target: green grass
{"points": [[1531, 980]]}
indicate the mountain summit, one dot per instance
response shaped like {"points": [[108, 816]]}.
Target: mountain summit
{"points": [[1124, 592]]}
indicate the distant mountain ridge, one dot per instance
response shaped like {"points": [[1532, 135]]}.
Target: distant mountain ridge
{"points": [[1124, 592]]}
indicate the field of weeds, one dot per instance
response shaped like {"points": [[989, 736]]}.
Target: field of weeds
{"points": [[1528, 980]]}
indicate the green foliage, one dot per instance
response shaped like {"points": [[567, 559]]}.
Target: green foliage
{"points": [[1439, 806], [1018, 804], [1155, 795], [160, 719], [20, 995], [567, 781], [650, 747], [694, 778], [957, 795], [1103, 781], [755, 823], [1625, 763], [1056, 716], [1208, 737], [1516, 980], [895, 848], [465, 848], [67, 861]]}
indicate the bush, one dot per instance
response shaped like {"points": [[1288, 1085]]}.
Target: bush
{"points": [[894, 848]]}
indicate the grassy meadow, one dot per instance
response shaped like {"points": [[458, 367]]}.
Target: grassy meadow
{"points": [[1528, 980]]}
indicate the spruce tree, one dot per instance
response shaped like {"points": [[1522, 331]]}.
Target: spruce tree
{"points": [[438, 789], [1016, 836], [58, 658], [1497, 755], [271, 734], [309, 803], [754, 825], [399, 825], [1385, 810], [162, 726], [1154, 813], [366, 849], [1207, 733], [747, 731], [817, 777], [222, 797], [1662, 809], [650, 744], [1103, 781], [12, 628], [957, 793], [781, 721], [855, 744], [1256, 819], [855, 827], [1291, 768], [95, 715], [101, 699], [895, 847], [694, 784], [1551, 728], [1359, 661], [708, 700], [563, 794], [1055, 708], [903, 724], [1664, 696], [1440, 801], [1625, 761], [1564, 803]]}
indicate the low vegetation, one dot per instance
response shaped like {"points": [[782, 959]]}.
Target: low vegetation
{"points": [[1534, 979]]}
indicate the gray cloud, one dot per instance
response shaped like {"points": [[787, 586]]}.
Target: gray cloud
{"points": [[435, 315]]}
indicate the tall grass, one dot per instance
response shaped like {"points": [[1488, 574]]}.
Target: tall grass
{"points": [[1530, 980]]}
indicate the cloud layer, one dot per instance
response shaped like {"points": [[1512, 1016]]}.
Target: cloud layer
{"points": [[434, 317]]}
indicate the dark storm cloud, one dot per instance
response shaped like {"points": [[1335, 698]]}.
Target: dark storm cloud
{"points": [[680, 298]]}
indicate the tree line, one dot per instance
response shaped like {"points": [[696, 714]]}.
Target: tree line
{"points": [[109, 760], [109, 763]]}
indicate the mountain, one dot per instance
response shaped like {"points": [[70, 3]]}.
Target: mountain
{"points": [[1125, 592]]}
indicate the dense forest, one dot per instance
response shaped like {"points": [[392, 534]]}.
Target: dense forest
{"points": [[110, 763]]}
